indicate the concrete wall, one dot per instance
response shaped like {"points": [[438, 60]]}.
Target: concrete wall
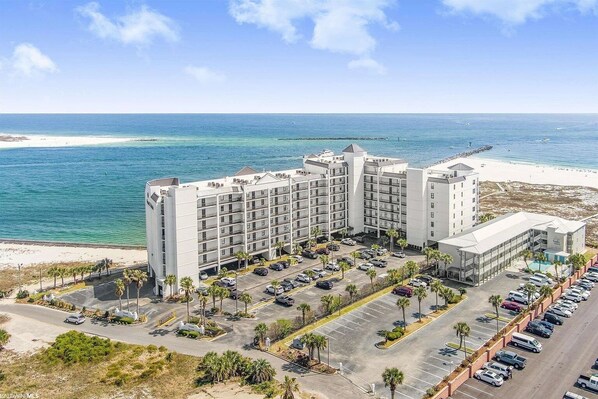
{"points": [[356, 163], [417, 216]]}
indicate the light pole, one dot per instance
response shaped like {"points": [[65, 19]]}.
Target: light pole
{"points": [[450, 366], [237, 294]]}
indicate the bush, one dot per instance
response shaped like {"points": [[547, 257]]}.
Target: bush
{"points": [[22, 294], [123, 320], [75, 347], [281, 328], [189, 334], [30, 300], [194, 320], [152, 348]]}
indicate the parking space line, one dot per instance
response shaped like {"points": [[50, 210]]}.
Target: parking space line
{"points": [[424, 381], [438, 367], [427, 372], [479, 390], [466, 394], [442, 360], [417, 389], [486, 328], [375, 311], [405, 395]]}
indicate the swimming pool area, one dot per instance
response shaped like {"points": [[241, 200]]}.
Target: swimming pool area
{"points": [[542, 266]]}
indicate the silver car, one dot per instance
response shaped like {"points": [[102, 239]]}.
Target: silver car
{"points": [[75, 319]]}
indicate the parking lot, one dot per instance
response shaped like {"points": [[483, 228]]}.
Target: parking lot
{"points": [[570, 351]]}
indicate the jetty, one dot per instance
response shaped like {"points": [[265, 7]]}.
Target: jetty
{"points": [[333, 138], [463, 155]]}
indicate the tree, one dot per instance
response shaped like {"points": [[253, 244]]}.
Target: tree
{"points": [[428, 251], [327, 302], [375, 247], [315, 233], [303, 308], [394, 275], [344, 266], [260, 332], [139, 277], [297, 248], [446, 259], [222, 293], [169, 281], [420, 293], [485, 217], [343, 232], [447, 294], [275, 284], [403, 244], [392, 235], [119, 289], [545, 291], [371, 273], [54, 272], [577, 260], [355, 255], [436, 287], [4, 337], [127, 280], [411, 268], [557, 264], [240, 255], [462, 330], [223, 272], [292, 261], [203, 302], [324, 259], [308, 340], [392, 377], [529, 290], [246, 299], [62, 272], [279, 247], [289, 385], [187, 287], [527, 255], [352, 290], [495, 301], [310, 274], [74, 272], [213, 292], [320, 343], [260, 371], [403, 303]]}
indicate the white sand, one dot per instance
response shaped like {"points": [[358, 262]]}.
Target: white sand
{"points": [[493, 170], [27, 254], [59, 141], [26, 336]]}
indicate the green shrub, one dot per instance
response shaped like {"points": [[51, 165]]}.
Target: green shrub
{"points": [[4, 337], [2, 376], [194, 320], [189, 334], [123, 319], [30, 300], [22, 294], [152, 348], [75, 347]]}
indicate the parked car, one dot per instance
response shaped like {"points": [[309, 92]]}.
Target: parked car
{"points": [[298, 258], [75, 319], [202, 290], [490, 377], [291, 281], [325, 284], [270, 290], [552, 318], [584, 294], [333, 247], [277, 266], [323, 251], [567, 304], [359, 239], [426, 279], [304, 278], [517, 296], [557, 310], [573, 395], [348, 259], [545, 324], [378, 262], [369, 252], [590, 383], [538, 329], [365, 266], [261, 271], [544, 277], [501, 369], [399, 254], [515, 307], [333, 266], [593, 277], [322, 239], [415, 282], [286, 285], [308, 253], [365, 255], [203, 275], [403, 290], [348, 241], [511, 358], [381, 251], [285, 300], [319, 272], [229, 281], [233, 293], [585, 284], [284, 264]]}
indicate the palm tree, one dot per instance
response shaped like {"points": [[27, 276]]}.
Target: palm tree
{"points": [[463, 331], [260, 332], [352, 290], [119, 290], [392, 377], [261, 371], [240, 255], [427, 251], [275, 284], [324, 259], [436, 287], [355, 255], [62, 272], [527, 255], [139, 277], [446, 259], [213, 292], [310, 274], [392, 234], [169, 281], [343, 232], [371, 273], [557, 264], [495, 301], [375, 247], [411, 268], [246, 299], [447, 294], [420, 293], [297, 248], [327, 302], [289, 386], [127, 280], [303, 308], [529, 289], [54, 272], [187, 286], [279, 247], [403, 244], [222, 293], [344, 266], [577, 260], [223, 272], [394, 275], [320, 343], [403, 303], [74, 272], [316, 232], [292, 261], [203, 302], [485, 217], [309, 342], [545, 291]]}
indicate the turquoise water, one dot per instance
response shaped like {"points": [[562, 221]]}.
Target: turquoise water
{"points": [[542, 265], [95, 193]]}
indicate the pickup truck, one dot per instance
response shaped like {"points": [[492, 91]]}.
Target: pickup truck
{"points": [[590, 382], [511, 359], [285, 300]]}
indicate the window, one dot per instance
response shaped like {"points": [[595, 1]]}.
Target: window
{"points": [[432, 233], [473, 209], [432, 205], [461, 184], [432, 195], [431, 214], [223, 252], [431, 224], [432, 186]]}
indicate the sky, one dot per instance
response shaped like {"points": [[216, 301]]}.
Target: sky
{"points": [[299, 56]]}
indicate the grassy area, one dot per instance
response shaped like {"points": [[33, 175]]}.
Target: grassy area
{"points": [[9, 277], [455, 346], [590, 253], [493, 317]]}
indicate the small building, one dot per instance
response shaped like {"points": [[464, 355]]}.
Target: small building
{"points": [[483, 251]]}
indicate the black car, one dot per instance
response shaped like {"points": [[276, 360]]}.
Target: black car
{"points": [[378, 262], [324, 284], [323, 251], [284, 264], [309, 254], [277, 266], [333, 247], [552, 318], [538, 329], [233, 293], [261, 271], [322, 239], [426, 279], [545, 324], [348, 259]]}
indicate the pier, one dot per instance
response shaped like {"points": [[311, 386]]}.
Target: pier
{"points": [[463, 154]]}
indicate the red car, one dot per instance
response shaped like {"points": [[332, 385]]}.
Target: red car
{"points": [[511, 306], [403, 291], [323, 251]]}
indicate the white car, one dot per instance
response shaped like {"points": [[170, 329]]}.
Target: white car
{"points": [[319, 272], [585, 294], [298, 258], [572, 296], [585, 284], [415, 282], [270, 290], [304, 278], [499, 368], [490, 377], [333, 266], [365, 266], [75, 319], [203, 275], [567, 304], [381, 251], [591, 276], [348, 241], [229, 281], [560, 311], [399, 254]]}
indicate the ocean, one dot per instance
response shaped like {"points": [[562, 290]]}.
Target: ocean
{"points": [[94, 194]]}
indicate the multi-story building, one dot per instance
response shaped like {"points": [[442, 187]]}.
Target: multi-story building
{"points": [[201, 225], [482, 252]]}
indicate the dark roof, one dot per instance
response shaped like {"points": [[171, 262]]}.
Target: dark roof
{"points": [[460, 166], [246, 170], [353, 148]]}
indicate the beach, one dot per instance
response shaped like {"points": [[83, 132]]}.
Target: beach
{"points": [[504, 171], [13, 254], [38, 141]]}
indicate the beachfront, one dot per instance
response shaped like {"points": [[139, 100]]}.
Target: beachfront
{"points": [[36, 141]]}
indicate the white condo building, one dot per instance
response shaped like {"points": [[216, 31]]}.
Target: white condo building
{"points": [[201, 225]]}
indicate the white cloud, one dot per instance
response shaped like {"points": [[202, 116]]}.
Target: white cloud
{"points": [[514, 12], [139, 27], [204, 75], [367, 64], [28, 60], [340, 26]]}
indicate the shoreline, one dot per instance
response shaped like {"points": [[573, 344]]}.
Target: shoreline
{"points": [[20, 241], [9, 141]]}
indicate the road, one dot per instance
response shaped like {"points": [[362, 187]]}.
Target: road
{"points": [[570, 351]]}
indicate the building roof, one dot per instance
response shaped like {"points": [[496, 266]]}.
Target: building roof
{"points": [[353, 148], [484, 237], [460, 166], [246, 170]]}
